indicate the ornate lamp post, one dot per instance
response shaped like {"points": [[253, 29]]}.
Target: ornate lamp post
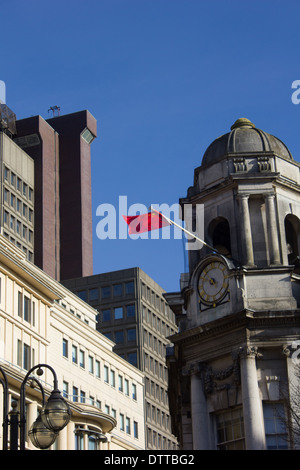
{"points": [[54, 416]]}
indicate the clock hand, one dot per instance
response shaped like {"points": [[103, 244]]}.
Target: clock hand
{"points": [[211, 281]]}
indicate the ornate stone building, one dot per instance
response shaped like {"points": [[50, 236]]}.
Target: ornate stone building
{"points": [[233, 363]]}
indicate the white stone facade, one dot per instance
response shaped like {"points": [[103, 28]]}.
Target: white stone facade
{"points": [[41, 322]]}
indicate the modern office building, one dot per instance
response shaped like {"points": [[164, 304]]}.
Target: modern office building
{"points": [[134, 314], [234, 372], [17, 187], [60, 149], [42, 322]]}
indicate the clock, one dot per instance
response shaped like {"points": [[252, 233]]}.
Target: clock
{"points": [[213, 283]]}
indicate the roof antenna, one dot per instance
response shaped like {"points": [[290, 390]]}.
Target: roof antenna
{"points": [[55, 111]]}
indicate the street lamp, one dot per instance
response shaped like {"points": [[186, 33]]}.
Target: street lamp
{"points": [[54, 416]]}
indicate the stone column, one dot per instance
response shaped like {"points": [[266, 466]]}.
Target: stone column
{"points": [[252, 405], [32, 414], [246, 229], [62, 439], [199, 413], [272, 228], [71, 435]]}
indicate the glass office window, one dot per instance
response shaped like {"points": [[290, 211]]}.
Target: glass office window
{"points": [[94, 294], [106, 315], [105, 292], [118, 313], [130, 310]]}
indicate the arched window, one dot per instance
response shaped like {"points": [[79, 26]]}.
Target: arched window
{"points": [[292, 236], [219, 235]]}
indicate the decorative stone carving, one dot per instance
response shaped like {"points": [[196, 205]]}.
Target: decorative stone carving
{"points": [[250, 351], [240, 165], [263, 164]]}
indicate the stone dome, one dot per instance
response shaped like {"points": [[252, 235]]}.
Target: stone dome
{"points": [[244, 138]]}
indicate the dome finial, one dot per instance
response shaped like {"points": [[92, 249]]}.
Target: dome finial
{"points": [[242, 122]]}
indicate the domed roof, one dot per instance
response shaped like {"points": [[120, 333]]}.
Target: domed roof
{"points": [[244, 138]]}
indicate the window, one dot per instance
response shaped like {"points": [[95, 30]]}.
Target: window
{"points": [[65, 348], [81, 359], [82, 397], [135, 429], [91, 364], [82, 295], [230, 430], [132, 358], [120, 381], [65, 389], [93, 294], [275, 426], [119, 337], [112, 378], [75, 394], [219, 233], [131, 334], [128, 425], [129, 287], [118, 313], [130, 310], [105, 292], [122, 422], [25, 355], [6, 217], [134, 396], [26, 308], [126, 383], [97, 368], [117, 290], [106, 315], [106, 378], [74, 354]]}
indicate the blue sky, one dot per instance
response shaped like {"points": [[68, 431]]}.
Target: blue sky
{"points": [[163, 78]]}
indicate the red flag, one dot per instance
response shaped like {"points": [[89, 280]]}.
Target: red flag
{"points": [[145, 222]]}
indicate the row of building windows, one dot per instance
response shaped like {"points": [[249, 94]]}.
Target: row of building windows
{"points": [[156, 323], [93, 365], [18, 227], [22, 247], [20, 186], [156, 344], [230, 428], [157, 302], [155, 367], [157, 416], [156, 392], [12, 201], [124, 336], [79, 396], [156, 441], [118, 313], [107, 292], [79, 315]]}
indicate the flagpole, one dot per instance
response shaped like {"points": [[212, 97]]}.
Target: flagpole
{"points": [[184, 230]]}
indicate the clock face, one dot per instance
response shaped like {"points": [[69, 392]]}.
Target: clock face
{"points": [[213, 283]]}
